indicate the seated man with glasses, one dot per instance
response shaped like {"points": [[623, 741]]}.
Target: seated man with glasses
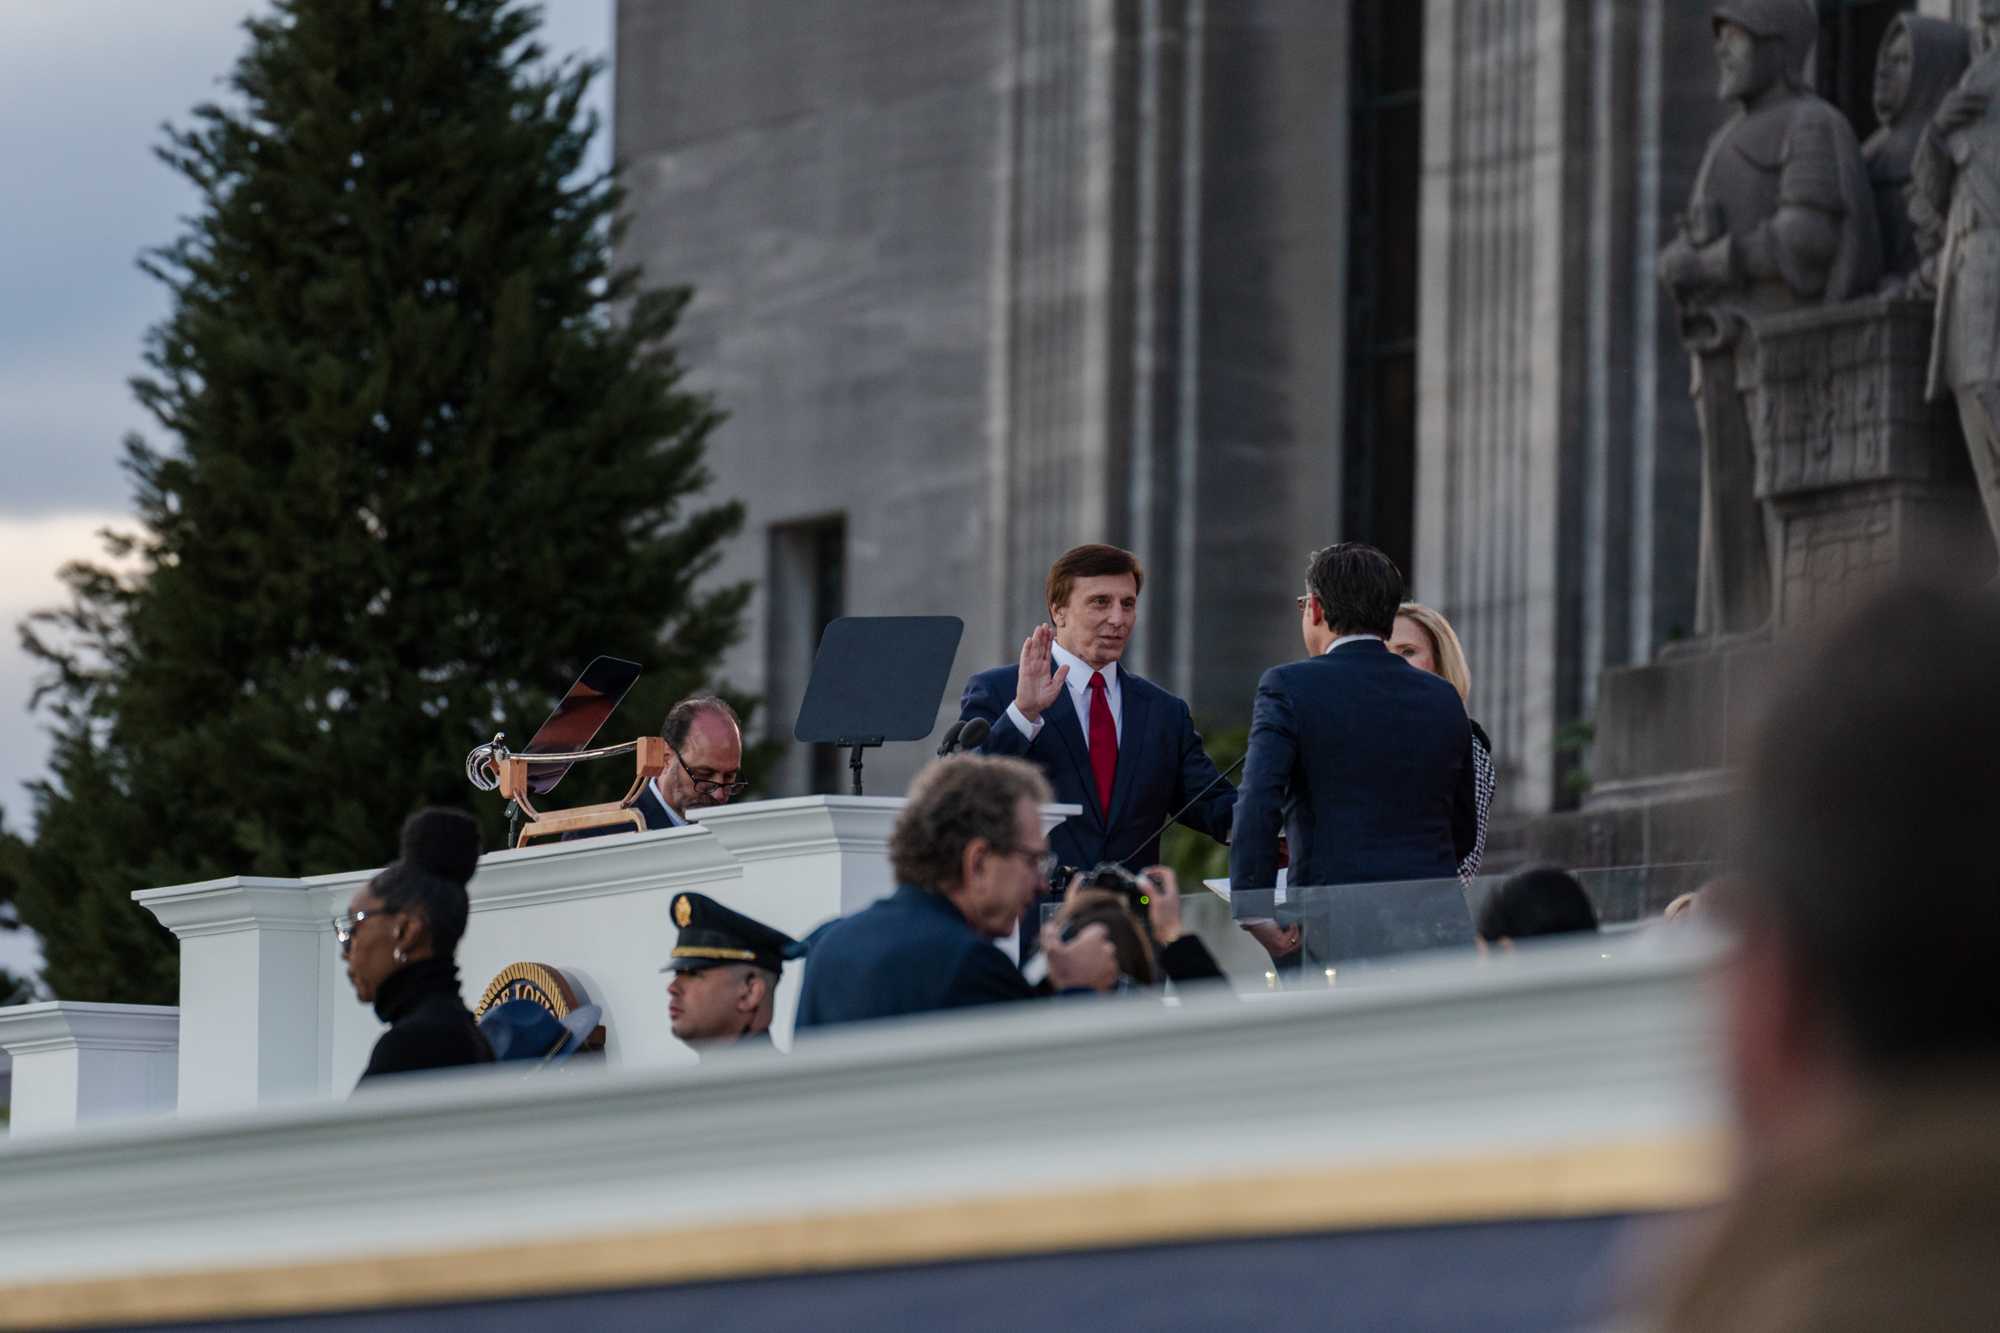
{"points": [[970, 856], [704, 765]]}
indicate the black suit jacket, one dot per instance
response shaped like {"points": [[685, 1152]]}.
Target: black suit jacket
{"points": [[909, 953], [1161, 767], [1366, 762]]}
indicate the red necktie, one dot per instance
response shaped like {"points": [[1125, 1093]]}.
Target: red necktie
{"points": [[1103, 741]]}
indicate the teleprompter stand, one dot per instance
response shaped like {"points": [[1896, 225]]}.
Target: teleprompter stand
{"points": [[877, 679]]}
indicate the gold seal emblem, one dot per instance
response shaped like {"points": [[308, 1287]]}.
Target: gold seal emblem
{"points": [[544, 985], [683, 913]]}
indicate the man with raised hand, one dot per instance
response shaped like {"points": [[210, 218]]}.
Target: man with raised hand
{"points": [[1106, 739]]}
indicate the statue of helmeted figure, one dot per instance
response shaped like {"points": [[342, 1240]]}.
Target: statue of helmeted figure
{"points": [[1782, 217], [1957, 178], [1920, 61]]}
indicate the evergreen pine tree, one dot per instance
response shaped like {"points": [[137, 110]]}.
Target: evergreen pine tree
{"points": [[429, 454]]}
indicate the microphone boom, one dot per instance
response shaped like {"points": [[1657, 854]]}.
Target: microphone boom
{"points": [[1174, 818]]}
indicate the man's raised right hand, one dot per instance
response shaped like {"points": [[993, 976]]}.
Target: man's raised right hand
{"points": [[1037, 688]]}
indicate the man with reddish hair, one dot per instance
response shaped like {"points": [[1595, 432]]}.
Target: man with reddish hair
{"points": [[1108, 740]]}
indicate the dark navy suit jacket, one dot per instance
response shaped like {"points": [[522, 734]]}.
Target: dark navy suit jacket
{"points": [[909, 953], [1161, 766], [1366, 762]]}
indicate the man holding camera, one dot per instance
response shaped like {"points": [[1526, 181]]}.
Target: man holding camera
{"points": [[1142, 915], [970, 857]]}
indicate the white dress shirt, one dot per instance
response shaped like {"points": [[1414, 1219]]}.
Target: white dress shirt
{"points": [[1351, 638], [673, 816], [1077, 682]]}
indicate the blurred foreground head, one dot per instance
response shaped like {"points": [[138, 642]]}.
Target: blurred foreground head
{"points": [[1869, 899]]}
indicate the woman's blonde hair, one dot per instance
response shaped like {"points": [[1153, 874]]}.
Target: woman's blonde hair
{"points": [[1446, 650]]}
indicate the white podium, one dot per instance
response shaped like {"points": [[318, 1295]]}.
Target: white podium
{"points": [[77, 1063], [267, 1014]]}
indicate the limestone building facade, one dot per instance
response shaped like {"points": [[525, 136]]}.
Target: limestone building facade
{"points": [[1219, 280]]}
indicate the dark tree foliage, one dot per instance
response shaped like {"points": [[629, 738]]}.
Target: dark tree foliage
{"points": [[430, 453]]}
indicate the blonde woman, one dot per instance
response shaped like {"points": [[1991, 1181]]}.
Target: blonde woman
{"points": [[1425, 639]]}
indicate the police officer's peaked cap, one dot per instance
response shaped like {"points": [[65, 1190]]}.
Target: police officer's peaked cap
{"points": [[712, 935]]}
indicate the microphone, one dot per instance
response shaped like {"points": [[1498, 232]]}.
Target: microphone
{"points": [[1174, 818], [963, 735]]}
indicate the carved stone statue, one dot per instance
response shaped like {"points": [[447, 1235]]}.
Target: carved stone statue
{"points": [[1781, 217], [1957, 177], [1920, 62]]}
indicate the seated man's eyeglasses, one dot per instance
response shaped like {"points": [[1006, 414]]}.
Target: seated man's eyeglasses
{"points": [[709, 785]]}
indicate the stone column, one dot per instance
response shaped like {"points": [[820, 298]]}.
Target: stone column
{"points": [[257, 956], [1244, 437], [76, 1063], [1557, 452], [1496, 361], [1056, 415]]}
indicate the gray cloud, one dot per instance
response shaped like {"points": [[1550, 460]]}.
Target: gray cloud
{"points": [[90, 82]]}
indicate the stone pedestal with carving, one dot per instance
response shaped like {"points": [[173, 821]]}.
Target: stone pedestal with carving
{"points": [[1861, 478]]}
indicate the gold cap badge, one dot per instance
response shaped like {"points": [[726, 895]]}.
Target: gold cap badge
{"points": [[683, 913]]}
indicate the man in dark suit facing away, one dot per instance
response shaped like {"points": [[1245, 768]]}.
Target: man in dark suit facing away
{"points": [[1116, 744], [1362, 760], [969, 856]]}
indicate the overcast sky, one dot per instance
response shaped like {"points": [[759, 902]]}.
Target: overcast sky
{"points": [[84, 87]]}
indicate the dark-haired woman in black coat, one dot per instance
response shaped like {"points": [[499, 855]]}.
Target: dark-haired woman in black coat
{"points": [[399, 939]]}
